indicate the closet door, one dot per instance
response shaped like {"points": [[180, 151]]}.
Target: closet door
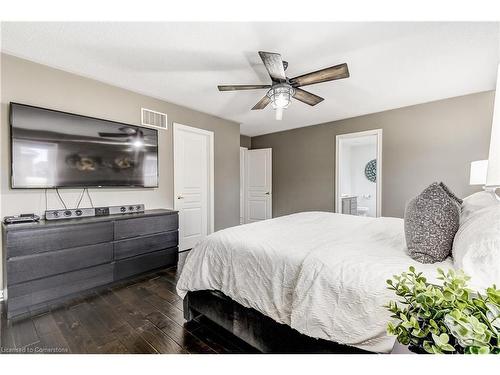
{"points": [[193, 183]]}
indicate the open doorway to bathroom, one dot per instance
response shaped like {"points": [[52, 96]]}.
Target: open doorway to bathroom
{"points": [[358, 173]]}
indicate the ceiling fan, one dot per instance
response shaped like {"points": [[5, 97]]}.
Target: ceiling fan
{"points": [[133, 134], [282, 88]]}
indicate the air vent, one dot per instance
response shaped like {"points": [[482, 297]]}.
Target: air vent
{"points": [[153, 118]]}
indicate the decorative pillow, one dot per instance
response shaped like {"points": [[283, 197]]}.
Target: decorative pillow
{"points": [[476, 248], [450, 193], [475, 202], [431, 221]]}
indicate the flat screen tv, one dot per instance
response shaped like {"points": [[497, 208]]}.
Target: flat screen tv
{"points": [[53, 149]]}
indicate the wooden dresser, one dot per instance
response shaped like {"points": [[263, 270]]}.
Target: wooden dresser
{"points": [[46, 262]]}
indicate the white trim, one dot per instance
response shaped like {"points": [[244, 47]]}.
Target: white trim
{"points": [[378, 133], [211, 193], [2, 268], [243, 179]]}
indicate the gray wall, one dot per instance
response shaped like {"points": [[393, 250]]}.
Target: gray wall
{"points": [[421, 144], [27, 82], [245, 141]]}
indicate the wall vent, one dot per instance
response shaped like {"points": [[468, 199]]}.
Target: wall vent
{"points": [[153, 118]]}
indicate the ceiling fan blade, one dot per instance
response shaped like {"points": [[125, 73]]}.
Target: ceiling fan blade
{"points": [[274, 65], [241, 87], [329, 74], [262, 103], [306, 97]]}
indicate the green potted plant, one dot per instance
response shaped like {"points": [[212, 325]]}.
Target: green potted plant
{"points": [[447, 318]]}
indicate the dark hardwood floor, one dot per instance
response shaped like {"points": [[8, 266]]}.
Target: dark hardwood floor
{"points": [[143, 315]]}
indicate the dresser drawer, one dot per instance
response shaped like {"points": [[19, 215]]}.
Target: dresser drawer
{"points": [[20, 269], [32, 293], [143, 263], [136, 246], [29, 242], [145, 225]]}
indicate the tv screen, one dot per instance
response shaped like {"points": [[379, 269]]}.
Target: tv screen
{"points": [[53, 149]]}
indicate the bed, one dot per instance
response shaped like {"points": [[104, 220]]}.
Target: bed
{"points": [[321, 274]]}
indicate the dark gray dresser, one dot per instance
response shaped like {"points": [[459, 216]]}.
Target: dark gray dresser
{"points": [[49, 261]]}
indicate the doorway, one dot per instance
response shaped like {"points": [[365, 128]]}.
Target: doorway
{"points": [[257, 180], [358, 173], [193, 183]]}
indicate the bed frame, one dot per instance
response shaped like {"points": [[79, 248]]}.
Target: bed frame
{"points": [[254, 328]]}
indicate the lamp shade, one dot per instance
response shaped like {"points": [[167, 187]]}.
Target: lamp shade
{"points": [[478, 171], [493, 176]]}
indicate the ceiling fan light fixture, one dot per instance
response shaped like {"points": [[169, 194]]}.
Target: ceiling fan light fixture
{"points": [[138, 143], [280, 96]]}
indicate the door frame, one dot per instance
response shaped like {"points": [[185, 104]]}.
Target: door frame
{"points": [[176, 127], [243, 180], [338, 138]]}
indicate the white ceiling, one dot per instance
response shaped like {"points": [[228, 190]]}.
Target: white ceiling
{"points": [[391, 64]]}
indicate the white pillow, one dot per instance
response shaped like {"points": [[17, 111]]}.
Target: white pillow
{"points": [[476, 247], [476, 202]]}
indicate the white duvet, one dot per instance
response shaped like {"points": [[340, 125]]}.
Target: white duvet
{"points": [[321, 273]]}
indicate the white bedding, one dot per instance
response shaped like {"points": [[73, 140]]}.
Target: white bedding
{"points": [[321, 273]]}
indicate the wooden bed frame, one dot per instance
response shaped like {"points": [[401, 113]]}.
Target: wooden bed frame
{"points": [[254, 328]]}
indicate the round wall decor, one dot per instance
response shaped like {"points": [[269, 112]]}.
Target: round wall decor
{"points": [[371, 170]]}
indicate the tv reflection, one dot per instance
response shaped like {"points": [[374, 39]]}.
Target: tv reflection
{"points": [[126, 157]]}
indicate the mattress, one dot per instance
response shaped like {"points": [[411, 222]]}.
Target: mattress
{"points": [[321, 273]]}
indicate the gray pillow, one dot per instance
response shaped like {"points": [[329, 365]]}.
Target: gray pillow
{"points": [[431, 221], [451, 194]]}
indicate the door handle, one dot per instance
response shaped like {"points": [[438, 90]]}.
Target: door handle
{"points": [[180, 197], [268, 193]]}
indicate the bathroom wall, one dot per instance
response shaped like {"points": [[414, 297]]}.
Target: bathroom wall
{"points": [[345, 180], [364, 189]]}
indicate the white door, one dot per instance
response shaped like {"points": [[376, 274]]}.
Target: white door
{"points": [[193, 183], [258, 185], [243, 159]]}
